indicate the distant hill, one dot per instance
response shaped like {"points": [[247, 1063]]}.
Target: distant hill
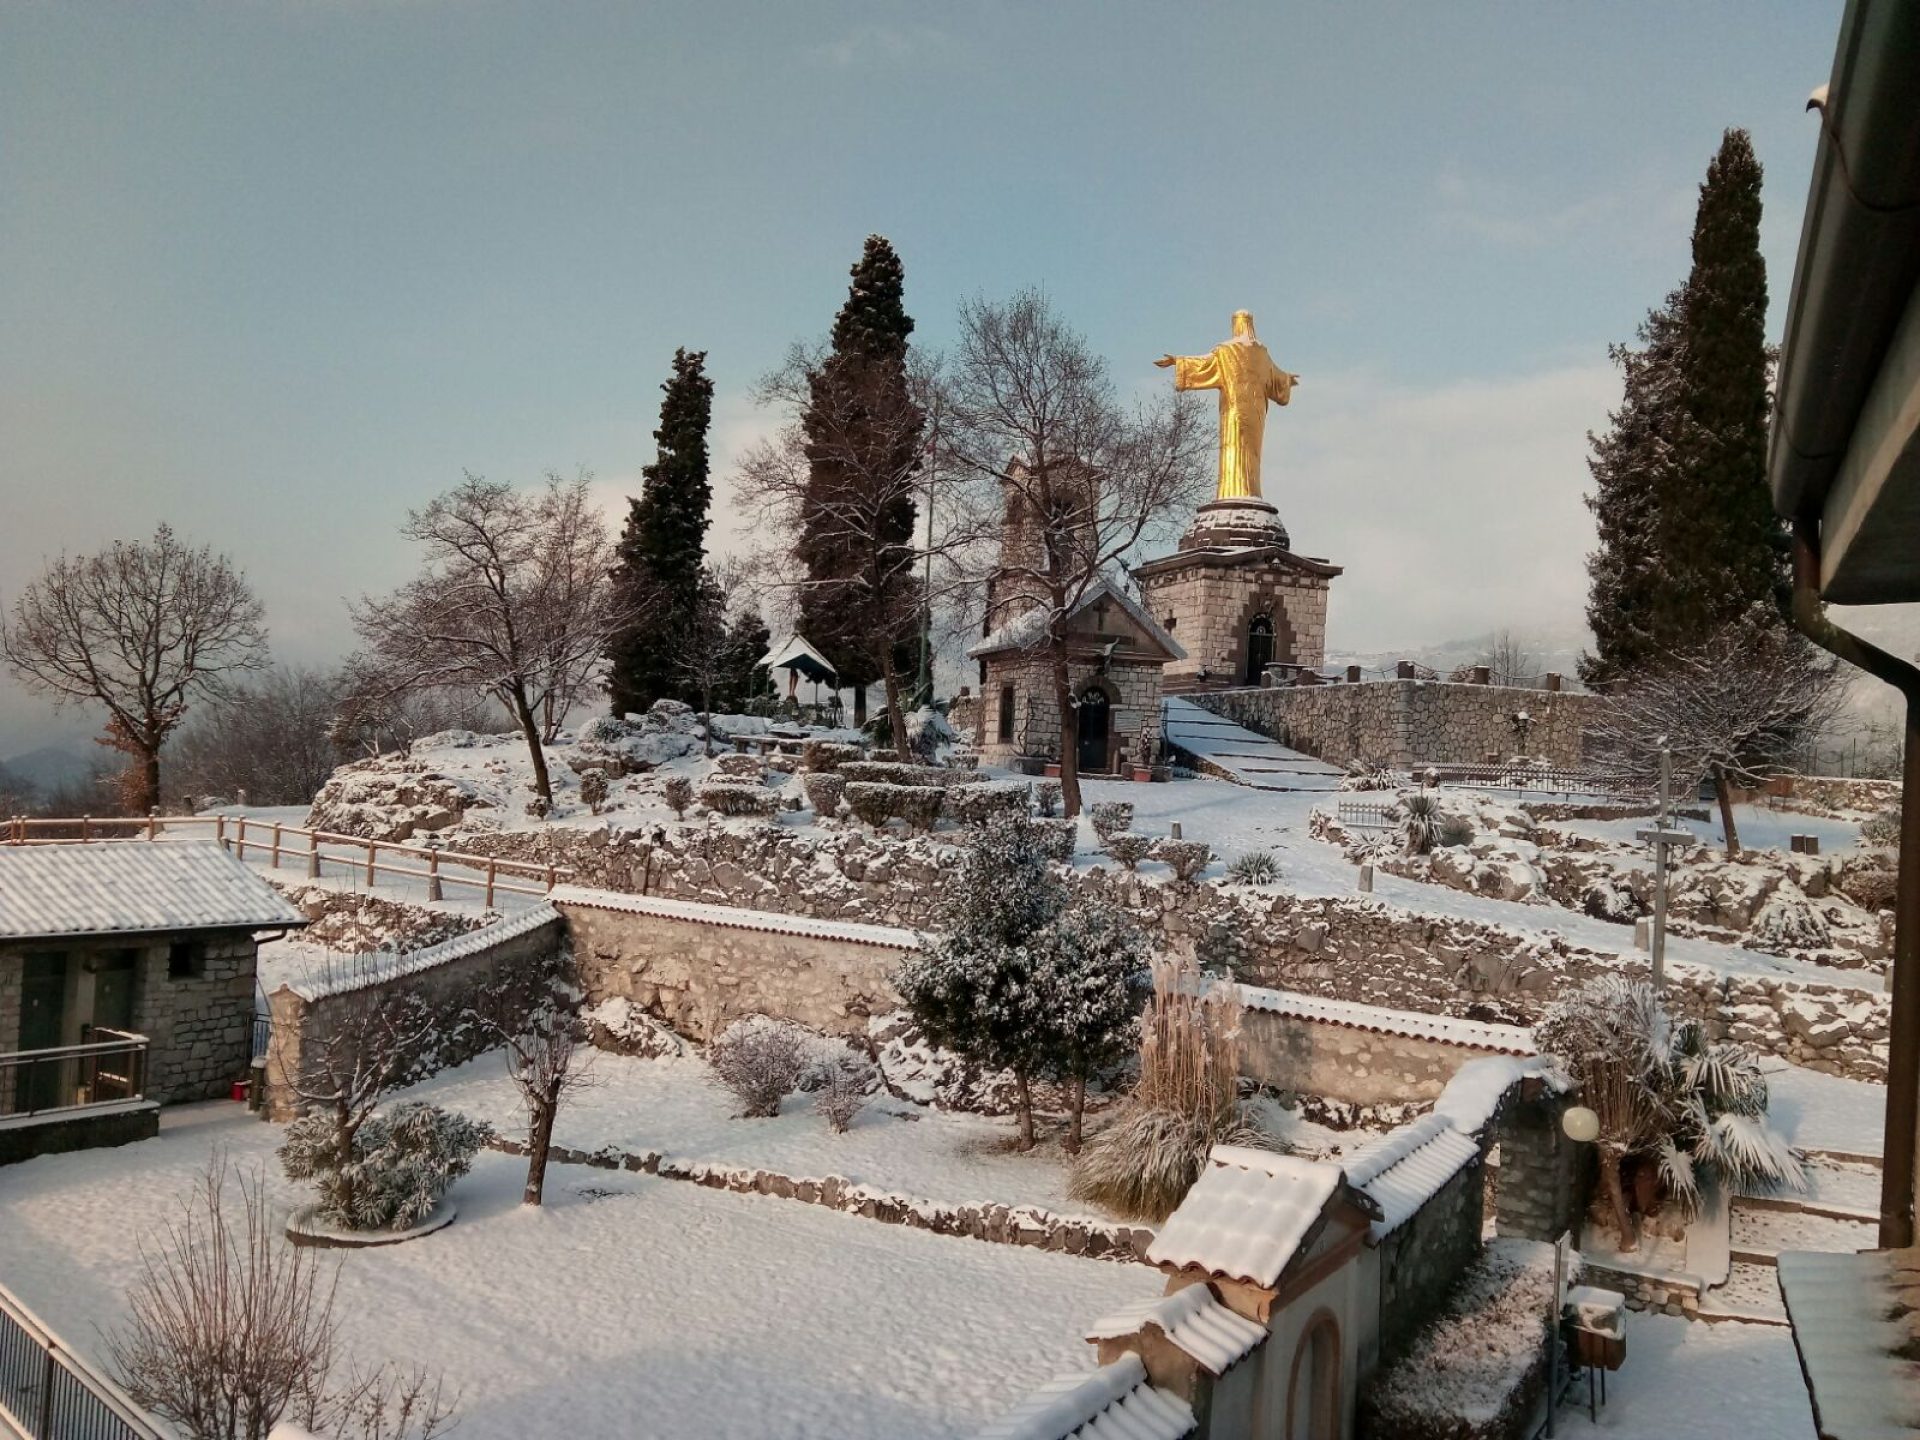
{"points": [[48, 769], [1544, 652]]}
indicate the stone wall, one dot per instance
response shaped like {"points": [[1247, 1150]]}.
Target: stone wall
{"points": [[699, 967], [1420, 1261], [88, 1129], [1133, 710], [1543, 1177], [1209, 604], [1402, 723], [304, 1020], [1298, 1055]]}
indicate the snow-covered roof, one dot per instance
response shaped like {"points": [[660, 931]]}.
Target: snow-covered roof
{"points": [[1114, 1402], [732, 917], [1025, 629], [1248, 1215], [129, 887], [1192, 1319], [1405, 1168], [794, 653], [1445, 1029], [358, 973], [1850, 1351]]}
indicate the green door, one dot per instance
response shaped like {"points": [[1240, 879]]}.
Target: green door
{"points": [[43, 1018], [113, 989]]}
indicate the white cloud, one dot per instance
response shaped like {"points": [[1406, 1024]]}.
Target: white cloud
{"points": [[1645, 212], [880, 45]]}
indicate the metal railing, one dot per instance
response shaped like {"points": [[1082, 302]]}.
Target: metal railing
{"points": [[49, 1393], [103, 1071], [289, 845], [1537, 779]]}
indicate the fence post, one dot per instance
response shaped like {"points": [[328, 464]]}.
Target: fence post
{"points": [[153, 821], [550, 876], [276, 844], [313, 855], [373, 847], [493, 867], [220, 830], [86, 828], [433, 870], [240, 838]]}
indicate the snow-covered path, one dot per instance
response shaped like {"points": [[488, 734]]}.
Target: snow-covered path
{"points": [[1687, 1379], [627, 1306]]}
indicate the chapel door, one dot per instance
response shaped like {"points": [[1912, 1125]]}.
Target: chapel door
{"points": [[43, 1022], [1259, 648], [1095, 719]]}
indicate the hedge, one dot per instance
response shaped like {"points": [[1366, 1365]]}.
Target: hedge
{"points": [[975, 804], [877, 802], [735, 797]]}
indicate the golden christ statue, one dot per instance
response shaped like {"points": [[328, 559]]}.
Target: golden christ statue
{"points": [[1246, 377]]}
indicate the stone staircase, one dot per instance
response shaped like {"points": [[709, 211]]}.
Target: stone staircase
{"points": [[1838, 1213], [1231, 752]]}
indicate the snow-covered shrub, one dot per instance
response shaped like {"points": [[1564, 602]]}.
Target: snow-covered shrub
{"points": [[1110, 817], [1185, 1102], [1477, 1369], [1365, 775], [1256, 867], [975, 804], [877, 802], [1882, 829], [844, 1080], [400, 1163], [824, 757], [1789, 921], [1454, 830], [593, 789], [927, 731], [539, 807], [1188, 859], [1046, 797], [823, 791], [741, 767], [964, 760], [761, 1060], [736, 797], [1870, 887], [678, 793], [1059, 838], [1420, 823], [1128, 848], [1609, 898], [605, 731], [893, 772]]}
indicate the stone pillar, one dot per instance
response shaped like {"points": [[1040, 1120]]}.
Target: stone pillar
{"points": [[1553, 680], [1403, 670], [1353, 674], [1482, 675], [1544, 1177]]}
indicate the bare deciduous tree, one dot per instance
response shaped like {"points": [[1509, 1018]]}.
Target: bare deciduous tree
{"points": [[514, 601], [1034, 426], [371, 717], [534, 1010], [268, 740], [142, 629], [1734, 708], [1507, 660], [230, 1330]]}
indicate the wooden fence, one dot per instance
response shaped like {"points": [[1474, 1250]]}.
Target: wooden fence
{"points": [[279, 845]]}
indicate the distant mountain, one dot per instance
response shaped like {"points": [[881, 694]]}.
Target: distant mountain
{"points": [[1558, 651], [48, 768]]}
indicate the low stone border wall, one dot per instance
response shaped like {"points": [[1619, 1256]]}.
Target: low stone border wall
{"points": [[998, 1224], [1665, 1295]]}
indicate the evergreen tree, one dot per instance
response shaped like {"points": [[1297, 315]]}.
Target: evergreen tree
{"points": [[657, 577], [1724, 546], [863, 432], [748, 639], [1628, 463]]}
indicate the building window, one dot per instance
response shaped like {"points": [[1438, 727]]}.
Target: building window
{"points": [[1006, 714], [186, 960]]}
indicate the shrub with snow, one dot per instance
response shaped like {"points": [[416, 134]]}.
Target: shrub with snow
{"points": [[1110, 817], [1365, 775], [1128, 848], [823, 791], [401, 1162], [1256, 867], [1188, 859], [927, 731], [893, 772], [761, 1060], [737, 797], [824, 757], [1059, 838], [976, 804], [678, 793], [1789, 922], [1046, 797], [843, 1081], [1869, 886], [593, 789], [877, 802], [1419, 823], [539, 807], [741, 767]]}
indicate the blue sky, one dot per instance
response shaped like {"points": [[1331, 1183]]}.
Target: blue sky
{"points": [[276, 272]]}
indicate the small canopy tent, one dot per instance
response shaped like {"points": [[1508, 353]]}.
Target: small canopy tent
{"points": [[801, 662]]}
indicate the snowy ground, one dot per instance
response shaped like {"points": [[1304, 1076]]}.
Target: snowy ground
{"points": [[1702, 1382], [630, 1305], [1760, 827], [1827, 1112]]}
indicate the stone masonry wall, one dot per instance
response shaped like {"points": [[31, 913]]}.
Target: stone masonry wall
{"points": [[1406, 722], [1298, 1056], [700, 975], [1350, 948], [1209, 608], [1420, 1261], [1543, 1176]]}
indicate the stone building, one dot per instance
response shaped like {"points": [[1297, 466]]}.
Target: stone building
{"points": [[126, 980], [1238, 598]]}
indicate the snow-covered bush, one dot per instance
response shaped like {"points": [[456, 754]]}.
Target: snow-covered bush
{"points": [[539, 807], [761, 1060], [1882, 829], [824, 757], [893, 772], [976, 804], [927, 731], [593, 789], [1046, 797], [1869, 886], [844, 1080], [397, 1165], [1478, 1368], [1454, 830], [1059, 838], [877, 802], [736, 797], [1365, 775], [1419, 823], [605, 730], [1110, 817], [1128, 848], [1789, 922], [678, 793], [1188, 859], [1256, 867], [823, 791], [964, 760], [741, 767]]}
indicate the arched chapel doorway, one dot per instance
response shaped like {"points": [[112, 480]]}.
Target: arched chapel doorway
{"points": [[1313, 1395], [1259, 648], [1094, 723]]}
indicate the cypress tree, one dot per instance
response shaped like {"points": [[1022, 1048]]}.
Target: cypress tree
{"points": [[657, 573], [1628, 465], [1725, 548], [863, 436]]}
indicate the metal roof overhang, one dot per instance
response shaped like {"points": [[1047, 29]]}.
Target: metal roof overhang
{"points": [[1845, 448]]}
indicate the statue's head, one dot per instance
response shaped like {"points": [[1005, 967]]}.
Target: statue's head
{"points": [[1243, 325]]}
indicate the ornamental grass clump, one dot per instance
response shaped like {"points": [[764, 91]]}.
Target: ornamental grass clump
{"points": [[1256, 867], [1186, 1101], [1419, 823]]}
